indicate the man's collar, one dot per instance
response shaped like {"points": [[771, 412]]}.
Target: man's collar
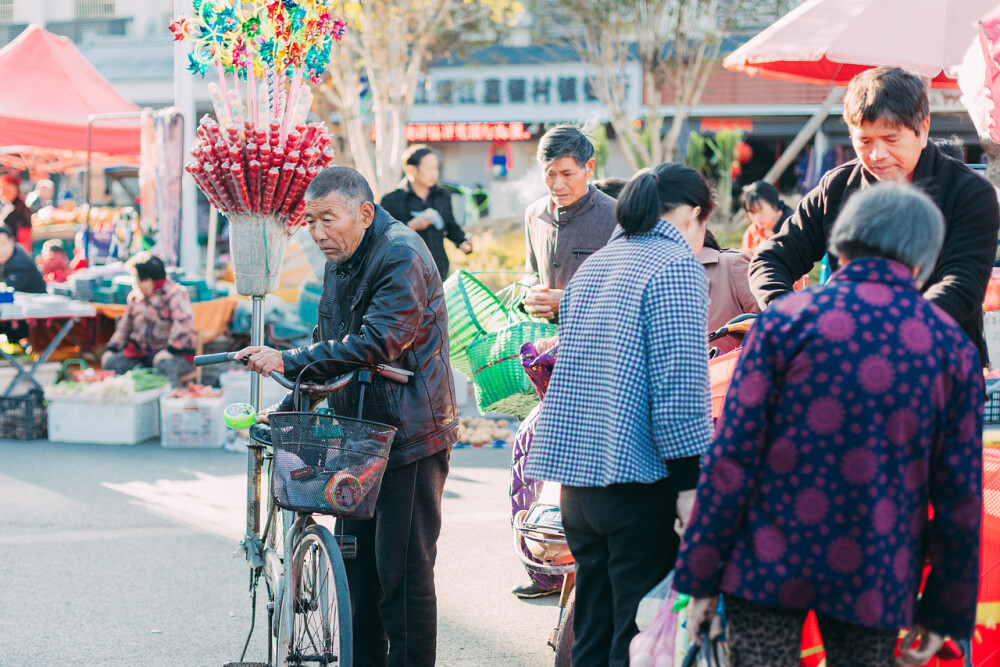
{"points": [[562, 214], [922, 172], [355, 259]]}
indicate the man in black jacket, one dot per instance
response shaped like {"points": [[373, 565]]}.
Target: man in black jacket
{"points": [[425, 206], [888, 115], [383, 303]]}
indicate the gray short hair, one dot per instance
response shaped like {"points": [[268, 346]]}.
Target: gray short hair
{"points": [[565, 141], [343, 181], [891, 220]]}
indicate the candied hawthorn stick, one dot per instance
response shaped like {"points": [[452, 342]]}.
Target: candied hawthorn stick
{"points": [[270, 187]]}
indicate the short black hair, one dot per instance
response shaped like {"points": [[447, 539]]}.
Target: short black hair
{"points": [[415, 153], [147, 266], [612, 187], [890, 94], [757, 192], [565, 141], [654, 192], [344, 181], [5, 231], [953, 147]]}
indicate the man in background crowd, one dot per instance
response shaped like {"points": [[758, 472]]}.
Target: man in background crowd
{"points": [[425, 207], [567, 225], [15, 215], [43, 195]]}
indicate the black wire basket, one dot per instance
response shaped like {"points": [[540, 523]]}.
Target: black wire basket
{"points": [[328, 464]]}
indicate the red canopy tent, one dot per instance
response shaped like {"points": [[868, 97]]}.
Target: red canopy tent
{"points": [[50, 91]]}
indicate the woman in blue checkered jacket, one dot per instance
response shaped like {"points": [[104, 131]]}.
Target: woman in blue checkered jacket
{"points": [[626, 415]]}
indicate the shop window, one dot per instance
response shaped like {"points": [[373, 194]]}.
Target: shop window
{"points": [[567, 89], [445, 91], [467, 91], [541, 91], [492, 93], [420, 95], [94, 9], [517, 90], [588, 90]]}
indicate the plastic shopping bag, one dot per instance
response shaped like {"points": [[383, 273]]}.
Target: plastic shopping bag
{"points": [[650, 605], [654, 646]]}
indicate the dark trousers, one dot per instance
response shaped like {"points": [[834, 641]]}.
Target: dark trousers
{"points": [[623, 540], [762, 636], [392, 579]]}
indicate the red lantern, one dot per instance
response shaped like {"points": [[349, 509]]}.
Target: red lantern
{"points": [[743, 152]]}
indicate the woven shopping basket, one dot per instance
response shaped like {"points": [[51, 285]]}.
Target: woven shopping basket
{"points": [[499, 378], [473, 310]]}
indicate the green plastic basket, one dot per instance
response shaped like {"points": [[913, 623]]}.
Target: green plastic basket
{"points": [[499, 378], [473, 310]]}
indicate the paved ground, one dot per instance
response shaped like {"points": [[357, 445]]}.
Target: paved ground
{"points": [[124, 556]]}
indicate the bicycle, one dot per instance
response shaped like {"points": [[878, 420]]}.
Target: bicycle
{"points": [[319, 463]]}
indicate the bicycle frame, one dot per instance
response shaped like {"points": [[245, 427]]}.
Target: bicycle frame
{"points": [[262, 558]]}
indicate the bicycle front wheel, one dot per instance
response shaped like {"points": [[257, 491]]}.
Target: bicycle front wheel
{"points": [[315, 629]]}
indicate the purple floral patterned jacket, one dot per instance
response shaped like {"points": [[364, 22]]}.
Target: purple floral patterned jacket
{"points": [[854, 406], [164, 321]]}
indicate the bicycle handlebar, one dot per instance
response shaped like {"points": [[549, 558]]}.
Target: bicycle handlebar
{"points": [[400, 375]]}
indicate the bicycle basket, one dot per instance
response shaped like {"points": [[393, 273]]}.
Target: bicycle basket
{"points": [[328, 464]]}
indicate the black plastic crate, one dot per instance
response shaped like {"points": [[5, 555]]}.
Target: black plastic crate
{"points": [[24, 417]]}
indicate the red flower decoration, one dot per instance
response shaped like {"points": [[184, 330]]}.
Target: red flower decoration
{"points": [[177, 28]]}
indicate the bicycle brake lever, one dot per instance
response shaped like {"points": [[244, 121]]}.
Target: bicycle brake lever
{"points": [[400, 375]]}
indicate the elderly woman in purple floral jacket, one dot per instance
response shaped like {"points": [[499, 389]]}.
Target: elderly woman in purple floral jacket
{"points": [[855, 405]]}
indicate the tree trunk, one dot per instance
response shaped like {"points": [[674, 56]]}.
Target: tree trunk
{"points": [[803, 137]]}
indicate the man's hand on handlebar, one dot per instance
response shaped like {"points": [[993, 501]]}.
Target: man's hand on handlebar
{"points": [[262, 359]]}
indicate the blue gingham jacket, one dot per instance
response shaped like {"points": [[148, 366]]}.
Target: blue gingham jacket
{"points": [[629, 392]]}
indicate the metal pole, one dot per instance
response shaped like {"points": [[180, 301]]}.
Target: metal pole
{"points": [[255, 454], [86, 189]]}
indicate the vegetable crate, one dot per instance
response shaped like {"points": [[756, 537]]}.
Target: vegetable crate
{"points": [[192, 422], [126, 422], [23, 417]]}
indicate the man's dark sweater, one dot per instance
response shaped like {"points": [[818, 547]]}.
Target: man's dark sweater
{"points": [[958, 283], [21, 273]]}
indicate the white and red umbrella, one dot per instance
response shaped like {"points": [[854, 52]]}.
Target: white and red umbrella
{"points": [[979, 75], [829, 41]]}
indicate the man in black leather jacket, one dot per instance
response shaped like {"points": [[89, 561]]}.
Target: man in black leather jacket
{"points": [[383, 303]]}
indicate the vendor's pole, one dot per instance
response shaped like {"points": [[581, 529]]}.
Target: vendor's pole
{"points": [[184, 100], [213, 231], [255, 454]]}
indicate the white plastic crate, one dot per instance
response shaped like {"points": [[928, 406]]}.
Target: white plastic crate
{"points": [[192, 422], [237, 387], [128, 422]]}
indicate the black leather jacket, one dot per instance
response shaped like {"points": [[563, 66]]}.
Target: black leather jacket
{"points": [[386, 306]]}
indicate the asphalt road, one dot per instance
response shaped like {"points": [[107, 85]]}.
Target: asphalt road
{"points": [[115, 555]]}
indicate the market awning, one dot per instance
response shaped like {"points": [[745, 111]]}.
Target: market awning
{"points": [[50, 91]]}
